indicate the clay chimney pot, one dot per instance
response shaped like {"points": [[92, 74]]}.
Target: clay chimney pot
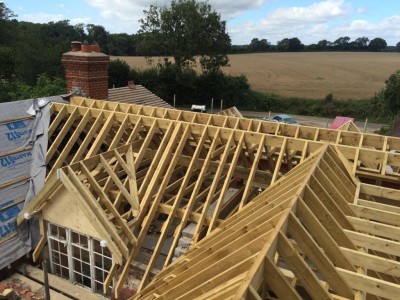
{"points": [[75, 46], [85, 47], [95, 47], [131, 85]]}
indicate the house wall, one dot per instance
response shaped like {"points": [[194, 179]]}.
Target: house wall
{"points": [[65, 211]]}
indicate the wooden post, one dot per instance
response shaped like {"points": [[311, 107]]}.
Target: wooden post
{"points": [[46, 280], [174, 100], [222, 101], [365, 125], [212, 104]]}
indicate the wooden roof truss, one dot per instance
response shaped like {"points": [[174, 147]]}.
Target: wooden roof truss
{"points": [[147, 170], [298, 239], [232, 111], [349, 126], [102, 127], [339, 137]]}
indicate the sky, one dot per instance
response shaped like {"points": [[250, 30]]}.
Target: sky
{"points": [[274, 20]]}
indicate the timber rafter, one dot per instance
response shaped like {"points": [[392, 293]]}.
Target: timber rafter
{"points": [[86, 131], [290, 243], [350, 136], [274, 211]]}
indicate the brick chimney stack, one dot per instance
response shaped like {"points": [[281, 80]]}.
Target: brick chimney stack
{"points": [[86, 68]]}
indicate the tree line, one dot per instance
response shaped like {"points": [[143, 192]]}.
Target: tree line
{"points": [[294, 45]]}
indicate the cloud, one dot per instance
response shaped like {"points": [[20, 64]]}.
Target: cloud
{"points": [[329, 19], [294, 21], [316, 12], [42, 17], [387, 28], [229, 8], [75, 21], [361, 10], [123, 15]]}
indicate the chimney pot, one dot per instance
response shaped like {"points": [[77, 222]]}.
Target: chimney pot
{"points": [[131, 85], [85, 47], [75, 46], [95, 47]]}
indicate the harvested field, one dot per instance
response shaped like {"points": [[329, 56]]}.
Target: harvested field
{"points": [[347, 75]]}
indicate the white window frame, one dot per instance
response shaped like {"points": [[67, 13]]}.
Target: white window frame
{"points": [[70, 245]]}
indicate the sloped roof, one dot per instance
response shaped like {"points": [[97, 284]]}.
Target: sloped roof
{"points": [[136, 94], [185, 163], [349, 126], [108, 210], [184, 171], [295, 240], [339, 121]]}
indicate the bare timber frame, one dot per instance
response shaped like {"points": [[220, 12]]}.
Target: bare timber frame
{"points": [[277, 210]]}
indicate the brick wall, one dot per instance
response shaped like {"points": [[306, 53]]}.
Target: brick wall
{"points": [[88, 71]]}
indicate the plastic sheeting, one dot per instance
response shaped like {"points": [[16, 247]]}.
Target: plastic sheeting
{"points": [[23, 146]]}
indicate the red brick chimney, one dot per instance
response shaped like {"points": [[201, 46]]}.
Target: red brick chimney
{"points": [[87, 70]]}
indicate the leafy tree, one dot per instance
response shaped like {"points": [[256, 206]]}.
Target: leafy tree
{"points": [[121, 44], [324, 45], [45, 86], [341, 43], [185, 30], [361, 42], [294, 44], [6, 32], [39, 49], [80, 32], [391, 93], [5, 12], [259, 45], [118, 73], [283, 45], [312, 47], [377, 44], [239, 49], [7, 64], [254, 44], [98, 34]]}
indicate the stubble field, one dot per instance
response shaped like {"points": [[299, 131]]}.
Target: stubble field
{"points": [[347, 75]]}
